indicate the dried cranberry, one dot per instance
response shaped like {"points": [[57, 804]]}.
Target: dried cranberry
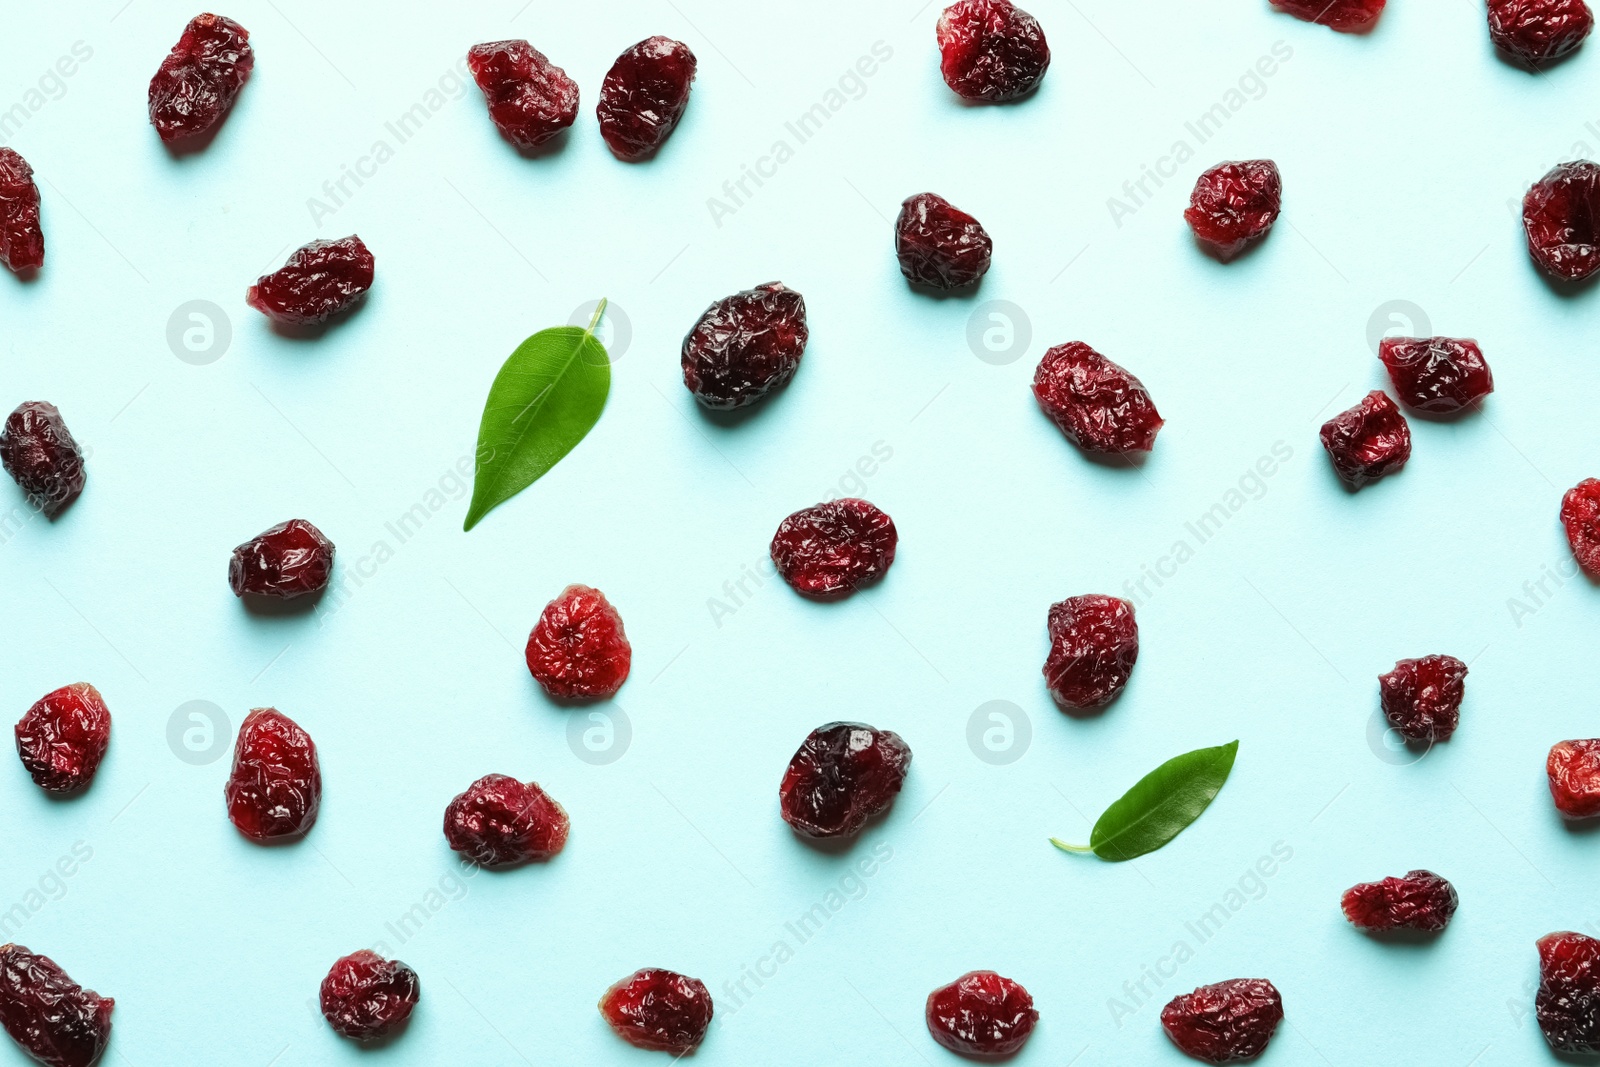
{"points": [[843, 774], [1538, 31], [54, 1019], [1369, 441], [21, 237], [1561, 213], [1228, 1021], [366, 997], [39, 453], [1568, 1003], [1436, 374], [1574, 770], [1580, 514], [745, 346], [319, 281], [1234, 204], [939, 245], [981, 1014], [1419, 901], [831, 549], [659, 1010], [1346, 16], [578, 649], [644, 95], [197, 83], [1099, 406], [499, 821], [276, 784], [289, 560], [530, 98], [64, 736], [991, 51], [1422, 697], [1094, 643]]}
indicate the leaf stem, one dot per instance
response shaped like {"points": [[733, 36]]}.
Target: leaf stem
{"points": [[1064, 847], [598, 311]]}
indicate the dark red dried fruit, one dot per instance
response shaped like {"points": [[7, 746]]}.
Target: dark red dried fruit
{"points": [[991, 51], [981, 1014], [64, 736], [499, 821], [54, 1019], [275, 786], [1568, 1003], [578, 648], [21, 236], [1580, 515], [365, 997], [745, 346], [1561, 214], [1419, 901], [1422, 697], [1369, 441], [1234, 204], [1099, 406], [289, 560], [1346, 16], [319, 281], [1228, 1021], [1441, 375], [1538, 31], [530, 98], [1094, 643], [644, 95], [843, 774], [1574, 770], [659, 1010], [939, 245], [832, 548], [39, 453], [198, 82]]}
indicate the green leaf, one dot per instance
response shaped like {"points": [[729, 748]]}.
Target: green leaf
{"points": [[547, 396], [1160, 805]]}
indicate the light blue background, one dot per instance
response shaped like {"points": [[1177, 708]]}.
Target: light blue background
{"points": [[1404, 155]]}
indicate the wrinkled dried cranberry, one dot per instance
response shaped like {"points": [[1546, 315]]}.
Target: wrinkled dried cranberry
{"points": [[644, 95], [1574, 770], [197, 83], [831, 549], [365, 997], [745, 346], [1346, 16], [1369, 441], [1422, 697], [1094, 643], [1228, 1021], [939, 245], [1538, 31], [991, 50], [319, 281], [54, 1019], [499, 821], [530, 98], [981, 1014], [578, 649], [39, 453], [64, 736], [1419, 901], [843, 774], [1580, 515], [659, 1010], [1561, 213], [1568, 1002], [1099, 406], [1436, 374], [21, 237], [1234, 204], [289, 560], [276, 784]]}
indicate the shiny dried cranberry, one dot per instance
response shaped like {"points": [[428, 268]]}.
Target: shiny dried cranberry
{"points": [[1441, 375], [1419, 901], [1568, 1002], [276, 784], [530, 98], [1101, 408], [1228, 1021], [659, 1010], [745, 346], [578, 649], [843, 774], [1094, 643], [21, 237], [365, 997], [991, 51], [939, 245], [1580, 515], [1538, 31], [1346, 16], [289, 560], [1369, 441], [1574, 770], [64, 736], [319, 281], [39, 453], [499, 821], [1561, 214], [831, 549], [54, 1019], [1422, 697], [644, 95], [197, 83], [1234, 204], [981, 1014]]}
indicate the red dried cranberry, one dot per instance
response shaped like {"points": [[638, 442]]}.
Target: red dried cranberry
{"points": [[197, 83], [499, 821], [1234, 204], [64, 736], [1538, 31], [1568, 1003], [1094, 643], [1419, 901], [1574, 770], [1369, 441], [745, 346], [644, 95], [276, 784], [1580, 515], [365, 997], [319, 281], [21, 237], [54, 1019], [991, 51], [289, 560], [1346, 16], [530, 98], [1422, 697], [1436, 374], [578, 649], [843, 774], [1561, 213], [1101, 408], [939, 245], [659, 1010], [1228, 1021], [39, 453], [831, 549], [981, 1014]]}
